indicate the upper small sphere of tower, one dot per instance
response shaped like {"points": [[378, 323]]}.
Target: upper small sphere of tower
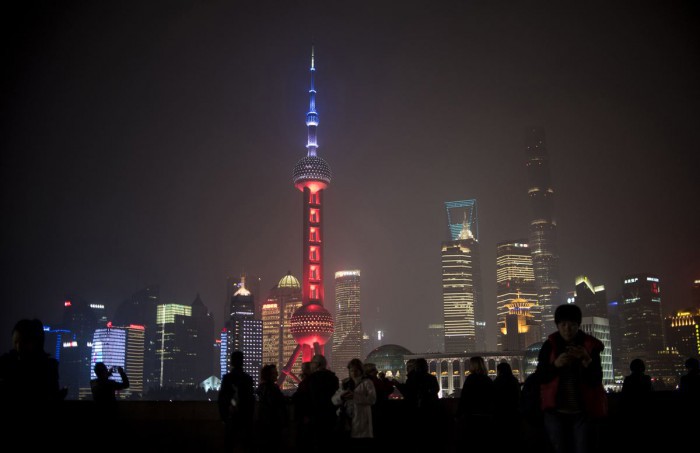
{"points": [[311, 168]]}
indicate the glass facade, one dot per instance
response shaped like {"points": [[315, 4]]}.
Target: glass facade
{"points": [[347, 338]]}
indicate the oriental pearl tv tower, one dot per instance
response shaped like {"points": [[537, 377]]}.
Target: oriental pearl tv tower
{"points": [[311, 324]]}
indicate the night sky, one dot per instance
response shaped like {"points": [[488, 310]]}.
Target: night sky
{"points": [[153, 143]]}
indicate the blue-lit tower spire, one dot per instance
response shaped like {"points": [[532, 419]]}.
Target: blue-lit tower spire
{"points": [[312, 115]]}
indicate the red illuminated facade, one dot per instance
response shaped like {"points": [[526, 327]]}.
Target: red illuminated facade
{"points": [[311, 324]]}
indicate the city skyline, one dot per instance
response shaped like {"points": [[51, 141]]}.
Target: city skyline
{"points": [[153, 146]]}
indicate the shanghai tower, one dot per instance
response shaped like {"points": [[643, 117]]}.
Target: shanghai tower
{"points": [[311, 324], [543, 228]]}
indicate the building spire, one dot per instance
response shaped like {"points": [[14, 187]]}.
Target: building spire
{"points": [[311, 115], [466, 233]]}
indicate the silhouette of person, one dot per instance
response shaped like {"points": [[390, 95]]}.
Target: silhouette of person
{"points": [[323, 383], [532, 426], [236, 405], [103, 388], [506, 393], [28, 375], [29, 390], [689, 392], [571, 383], [689, 385], [272, 411], [475, 407], [420, 392], [636, 388], [301, 399], [635, 398]]}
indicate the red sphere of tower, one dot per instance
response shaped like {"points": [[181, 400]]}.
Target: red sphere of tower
{"points": [[311, 324]]}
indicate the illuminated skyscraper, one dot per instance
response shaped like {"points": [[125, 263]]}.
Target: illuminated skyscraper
{"points": [[312, 324], [252, 284], [640, 313], [244, 332], [683, 332], [347, 338], [109, 347], [516, 295], [592, 300], [600, 328], [278, 343], [461, 292], [80, 319], [543, 228], [140, 309], [135, 356], [120, 347], [695, 294], [169, 344]]}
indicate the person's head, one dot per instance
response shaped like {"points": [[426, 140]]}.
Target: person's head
{"points": [[268, 373], [28, 337], [410, 365], [305, 369], [692, 364], [637, 366], [567, 317], [371, 369], [421, 366], [237, 359], [101, 370], [477, 365], [355, 369], [318, 362], [504, 369]]}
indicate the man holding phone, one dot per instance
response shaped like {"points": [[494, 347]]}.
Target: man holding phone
{"points": [[103, 388]]}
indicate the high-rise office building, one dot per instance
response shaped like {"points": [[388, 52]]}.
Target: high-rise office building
{"points": [[543, 228], [436, 338], [461, 292], [592, 300], [199, 333], [516, 296], [108, 347], [135, 357], [347, 338], [683, 332], [252, 284], [244, 332], [600, 328], [80, 319], [169, 345], [695, 294], [123, 346], [312, 324], [278, 342], [620, 369], [54, 341], [140, 309], [640, 313]]}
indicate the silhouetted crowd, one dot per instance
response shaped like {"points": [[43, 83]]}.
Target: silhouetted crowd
{"points": [[559, 408]]}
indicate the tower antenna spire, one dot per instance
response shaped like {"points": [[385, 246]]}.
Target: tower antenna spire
{"points": [[312, 115]]}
